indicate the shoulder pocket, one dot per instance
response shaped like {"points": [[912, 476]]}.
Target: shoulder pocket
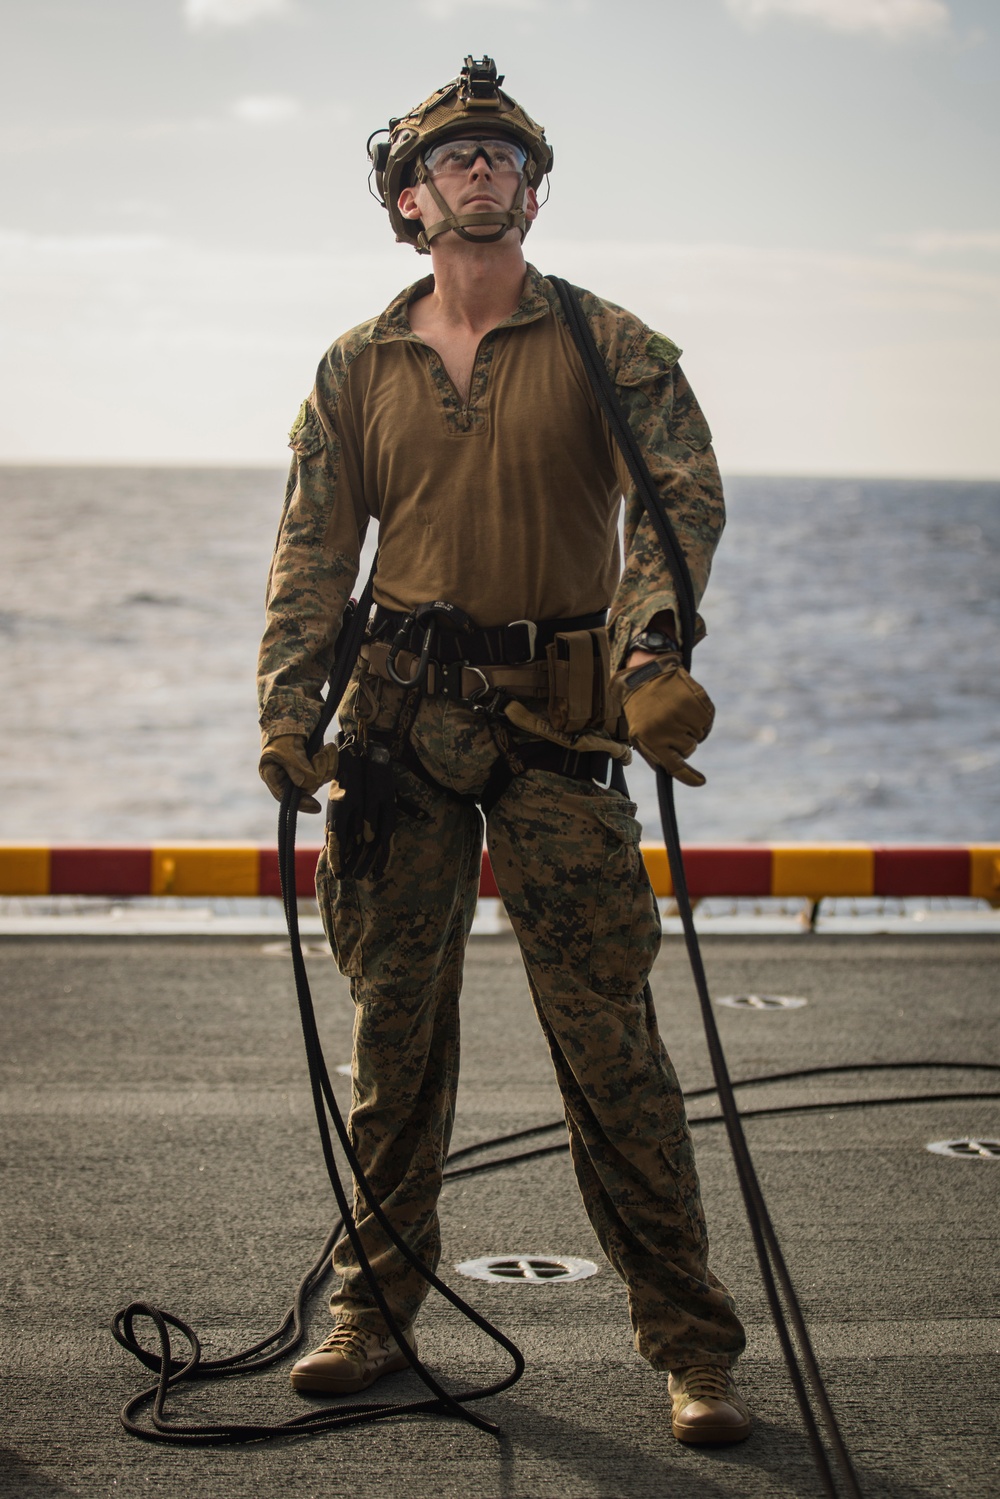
{"points": [[307, 435], [647, 360]]}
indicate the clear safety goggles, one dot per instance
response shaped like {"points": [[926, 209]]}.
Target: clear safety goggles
{"points": [[458, 155]]}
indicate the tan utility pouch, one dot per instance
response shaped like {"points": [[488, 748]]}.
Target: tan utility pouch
{"points": [[579, 663]]}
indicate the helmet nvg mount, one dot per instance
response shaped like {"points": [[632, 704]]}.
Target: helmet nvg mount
{"points": [[472, 105]]}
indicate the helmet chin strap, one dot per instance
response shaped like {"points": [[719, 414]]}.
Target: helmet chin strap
{"points": [[509, 218]]}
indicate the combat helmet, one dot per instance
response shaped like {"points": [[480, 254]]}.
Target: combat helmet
{"points": [[472, 104]]}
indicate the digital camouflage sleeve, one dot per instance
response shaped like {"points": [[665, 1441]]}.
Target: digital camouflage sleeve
{"points": [[677, 445], [316, 555]]}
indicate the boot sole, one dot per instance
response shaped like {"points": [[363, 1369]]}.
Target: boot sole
{"points": [[710, 1436]]}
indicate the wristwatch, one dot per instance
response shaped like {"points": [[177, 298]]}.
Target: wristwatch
{"points": [[657, 642]]}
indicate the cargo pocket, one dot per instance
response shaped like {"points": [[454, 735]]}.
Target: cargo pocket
{"points": [[688, 425], [340, 909], [626, 935]]}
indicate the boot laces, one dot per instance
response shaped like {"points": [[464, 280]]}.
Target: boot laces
{"points": [[352, 1342], [705, 1382]]}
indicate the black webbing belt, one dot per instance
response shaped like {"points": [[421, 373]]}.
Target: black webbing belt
{"points": [[498, 645]]}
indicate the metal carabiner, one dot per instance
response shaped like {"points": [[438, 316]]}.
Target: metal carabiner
{"points": [[420, 675], [473, 698]]}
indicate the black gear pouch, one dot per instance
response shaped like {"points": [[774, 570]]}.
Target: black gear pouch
{"points": [[363, 816]]}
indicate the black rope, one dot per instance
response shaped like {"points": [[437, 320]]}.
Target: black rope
{"points": [[286, 1337], [172, 1371], [773, 1269], [600, 380], [771, 1110], [325, 1102]]}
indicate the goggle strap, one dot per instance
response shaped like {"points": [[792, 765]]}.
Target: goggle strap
{"points": [[461, 222], [512, 218]]}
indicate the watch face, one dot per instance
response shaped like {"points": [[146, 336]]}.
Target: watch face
{"points": [[653, 640]]}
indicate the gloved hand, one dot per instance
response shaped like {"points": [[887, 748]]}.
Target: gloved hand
{"points": [[667, 713], [285, 759]]}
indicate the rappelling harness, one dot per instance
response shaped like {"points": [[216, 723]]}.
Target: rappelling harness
{"points": [[435, 650]]}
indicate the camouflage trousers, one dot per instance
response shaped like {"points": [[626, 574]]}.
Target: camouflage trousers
{"points": [[566, 859]]}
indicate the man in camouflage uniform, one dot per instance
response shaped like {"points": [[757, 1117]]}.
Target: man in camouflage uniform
{"points": [[463, 421]]}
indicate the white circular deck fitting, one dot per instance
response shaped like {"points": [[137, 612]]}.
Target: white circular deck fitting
{"points": [[969, 1149], [761, 1002], [527, 1269], [344, 1068]]}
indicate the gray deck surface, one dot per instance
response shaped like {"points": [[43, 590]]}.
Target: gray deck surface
{"points": [[159, 1144]]}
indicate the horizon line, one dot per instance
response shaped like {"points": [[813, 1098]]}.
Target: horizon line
{"points": [[264, 466]]}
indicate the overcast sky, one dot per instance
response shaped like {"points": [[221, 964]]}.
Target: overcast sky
{"points": [[805, 194]]}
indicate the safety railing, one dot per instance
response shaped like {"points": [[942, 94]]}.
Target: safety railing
{"points": [[812, 872]]}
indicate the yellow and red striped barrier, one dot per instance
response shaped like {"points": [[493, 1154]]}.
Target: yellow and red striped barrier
{"points": [[812, 871]]}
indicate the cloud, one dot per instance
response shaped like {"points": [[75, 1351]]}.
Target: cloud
{"points": [[250, 109], [446, 10], [690, 276], [202, 15], [946, 241], [694, 282], [808, 360], [18, 243], [265, 109], [896, 20]]}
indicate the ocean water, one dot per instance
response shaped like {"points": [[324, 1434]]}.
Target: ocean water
{"points": [[852, 655]]}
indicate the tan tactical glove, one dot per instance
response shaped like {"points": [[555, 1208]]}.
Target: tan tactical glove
{"points": [[667, 713], [285, 759]]}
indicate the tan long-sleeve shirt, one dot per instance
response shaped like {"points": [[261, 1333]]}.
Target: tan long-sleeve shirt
{"points": [[506, 504]]}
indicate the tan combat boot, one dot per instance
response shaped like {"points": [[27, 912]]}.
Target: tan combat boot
{"points": [[707, 1406], [349, 1360]]}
